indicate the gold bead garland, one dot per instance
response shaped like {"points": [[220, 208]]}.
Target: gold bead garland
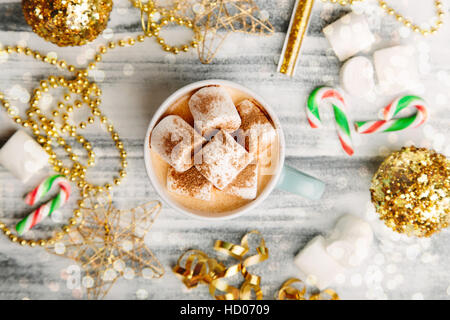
{"points": [[45, 128], [166, 16], [343, 2], [408, 23], [49, 133], [400, 18]]}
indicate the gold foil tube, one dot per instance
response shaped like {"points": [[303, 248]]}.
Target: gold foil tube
{"points": [[296, 32]]}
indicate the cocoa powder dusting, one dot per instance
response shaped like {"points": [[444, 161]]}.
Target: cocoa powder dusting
{"points": [[251, 114], [170, 143], [190, 181], [205, 100], [245, 177]]}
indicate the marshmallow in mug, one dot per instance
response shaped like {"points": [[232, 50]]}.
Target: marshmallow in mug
{"points": [[212, 109], [323, 259], [189, 183], [222, 160], [245, 185], [258, 133], [349, 35], [23, 156], [175, 141], [396, 69]]}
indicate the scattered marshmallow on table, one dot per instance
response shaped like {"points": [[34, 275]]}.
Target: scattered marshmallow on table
{"points": [[222, 160], [189, 183], [356, 76], [316, 264], [396, 69], [350, 241], [349, 35], [347, 246], [213, 109], [23, 156], [175, 141], [245, 185]]}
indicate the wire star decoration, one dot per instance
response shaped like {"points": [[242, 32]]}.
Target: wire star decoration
{"points": [[210, 20], [216, 19], [109, 242]]}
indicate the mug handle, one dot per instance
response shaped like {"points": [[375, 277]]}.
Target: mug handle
{"points": [[300, 183]]}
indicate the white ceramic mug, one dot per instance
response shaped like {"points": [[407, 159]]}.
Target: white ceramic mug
{"points": [[283, 177]]}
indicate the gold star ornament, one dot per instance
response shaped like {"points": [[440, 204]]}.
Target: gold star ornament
{"points": [[109, 243], [211, 21], [215, 20]]}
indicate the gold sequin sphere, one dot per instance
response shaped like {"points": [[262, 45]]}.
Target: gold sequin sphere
{"points": [[67, 22], [411, 191]]}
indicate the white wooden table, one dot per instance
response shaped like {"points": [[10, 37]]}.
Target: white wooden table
{"points": [[135, 81]]}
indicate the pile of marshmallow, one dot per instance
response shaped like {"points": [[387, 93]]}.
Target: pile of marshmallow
{"points": [[222, 149], [395, 67]]}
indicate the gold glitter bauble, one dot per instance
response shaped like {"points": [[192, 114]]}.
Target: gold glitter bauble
{"points": [[67, 22], [411, 191]]}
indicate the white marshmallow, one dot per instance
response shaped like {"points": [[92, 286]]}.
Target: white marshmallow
{"points": [[175, 141], [356, 76], [213, 109], [256, 132], [23, 156], [349, 35], [222, 160], [189, 183], [316, 264], [245, 185], [350, 241], [347, 246], [396, 69]]}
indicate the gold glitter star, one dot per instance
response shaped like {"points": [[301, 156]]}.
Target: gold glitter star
{"points": [[109, 243]]}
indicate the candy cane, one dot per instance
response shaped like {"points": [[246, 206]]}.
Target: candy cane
{"points": [[331, 96], [390, 124], [48, 208]]}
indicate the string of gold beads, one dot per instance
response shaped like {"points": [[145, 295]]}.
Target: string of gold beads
{"points": [[408, 23], [400, 18], [343, 2], [167, 16], [48, 132]]}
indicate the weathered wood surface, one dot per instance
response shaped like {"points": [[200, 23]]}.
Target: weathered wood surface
{"points": [[135, 81]]}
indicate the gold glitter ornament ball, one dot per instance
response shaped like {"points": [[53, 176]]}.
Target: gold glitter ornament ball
{"points": [[67, 22], [411, 191]]}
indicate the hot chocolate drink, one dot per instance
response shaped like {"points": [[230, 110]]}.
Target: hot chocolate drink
{"points": [[215, 150]]}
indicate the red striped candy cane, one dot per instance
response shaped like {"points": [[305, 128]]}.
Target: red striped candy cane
{"points": [[389, 112], [48, 208], [331, 96]]}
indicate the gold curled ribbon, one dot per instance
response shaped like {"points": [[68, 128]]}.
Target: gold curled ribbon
{"points": [[199, 268], [289, 292]]}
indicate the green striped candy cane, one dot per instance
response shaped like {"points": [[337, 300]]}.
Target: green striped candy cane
{"points": [[322, 96], [48, 208]]}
